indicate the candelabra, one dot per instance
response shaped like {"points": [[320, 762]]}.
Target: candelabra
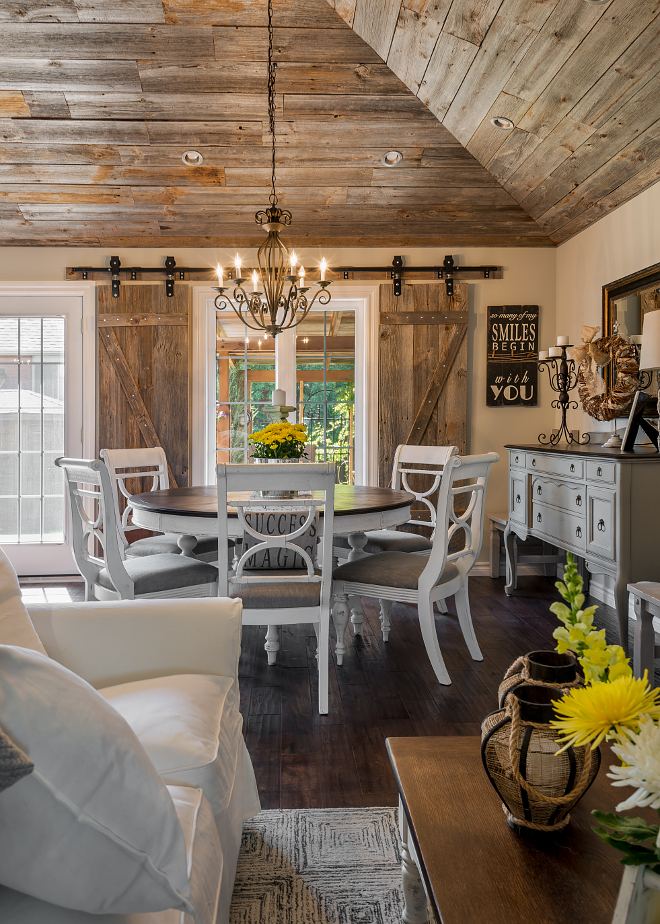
{"points": [[563, 379]]}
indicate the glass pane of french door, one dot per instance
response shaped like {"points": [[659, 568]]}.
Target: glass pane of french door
{"points": [[31, 429], [324, 349], [40, 419]]}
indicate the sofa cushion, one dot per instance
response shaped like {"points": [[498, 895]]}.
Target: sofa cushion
{"points": [[190, 727], [15, 624], [92, 827], [205, 867], [388, 540], [154, 573], [390, 569]]}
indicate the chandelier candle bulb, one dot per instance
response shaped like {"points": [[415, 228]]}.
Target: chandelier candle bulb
{"points": [[219, 273], [562, 341], [294, 262], [237, 266], [324, 266], [301, 273], [279, 398], [255, 280], [554, 351]]}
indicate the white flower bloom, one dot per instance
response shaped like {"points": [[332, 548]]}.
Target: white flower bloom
{"points": [[641, 753]]}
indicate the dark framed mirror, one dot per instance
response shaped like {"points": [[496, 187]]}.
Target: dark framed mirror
{"points": [[625, 302]]}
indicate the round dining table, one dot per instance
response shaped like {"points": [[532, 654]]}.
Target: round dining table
{"points": [[193, 512]]}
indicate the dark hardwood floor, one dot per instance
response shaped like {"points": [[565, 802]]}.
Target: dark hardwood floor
{"points": [[304, 760]]}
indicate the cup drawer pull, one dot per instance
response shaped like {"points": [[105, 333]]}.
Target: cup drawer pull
{"points": [[518, 498], [578, 500], [601, 526], [599, 471], [539, 490], [578, 532], [572, 469], [534, 462], [538, 517]]}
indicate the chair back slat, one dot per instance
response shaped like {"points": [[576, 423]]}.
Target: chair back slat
{"points": [[435, 457], [93, 518], [472, 472], [148, 465], [302, 477]]}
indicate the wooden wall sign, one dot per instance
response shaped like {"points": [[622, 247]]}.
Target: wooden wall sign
{"points": [[512, 344]]}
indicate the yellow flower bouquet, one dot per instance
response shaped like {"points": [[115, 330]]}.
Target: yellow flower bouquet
{"points": [[612, 706], [281, 440]]}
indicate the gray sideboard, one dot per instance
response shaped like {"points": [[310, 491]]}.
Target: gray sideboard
{"points": [[602, 505]]}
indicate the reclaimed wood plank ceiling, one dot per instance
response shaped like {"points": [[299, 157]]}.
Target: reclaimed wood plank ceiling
{"points": [[100, 98], [579, 80]]}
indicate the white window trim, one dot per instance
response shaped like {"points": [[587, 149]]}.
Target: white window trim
{"points": [[202, 410]]}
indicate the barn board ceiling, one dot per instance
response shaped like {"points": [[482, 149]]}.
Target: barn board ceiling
{"points": [[579, 80], [99, 99]]}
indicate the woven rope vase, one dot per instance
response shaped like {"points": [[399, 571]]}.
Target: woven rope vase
{"points": [[546, 667], [538, 787]]}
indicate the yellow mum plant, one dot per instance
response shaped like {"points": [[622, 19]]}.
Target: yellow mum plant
{"points": [[279, 441], [615, 706]]}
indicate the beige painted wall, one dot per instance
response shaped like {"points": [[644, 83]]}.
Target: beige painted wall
{"points": [[621, 243], [529, 278]]}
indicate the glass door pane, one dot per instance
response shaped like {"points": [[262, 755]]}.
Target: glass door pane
{"points": [[325, 376], [32, 421], [245, 379]]}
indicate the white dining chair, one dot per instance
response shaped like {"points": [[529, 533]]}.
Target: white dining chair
{"points": [[407, 461], [277, 576], [150, 466], [111, 577], [422, 580]]}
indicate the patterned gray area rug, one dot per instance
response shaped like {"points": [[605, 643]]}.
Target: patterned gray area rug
{"points": [[319, 866]]}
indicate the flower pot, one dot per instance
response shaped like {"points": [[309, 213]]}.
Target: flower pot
{"points": [[546, 667], [282, 495], [538, 787]]}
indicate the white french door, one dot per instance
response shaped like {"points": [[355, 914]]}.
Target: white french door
{"points": [[42, 416], [325, 365]]}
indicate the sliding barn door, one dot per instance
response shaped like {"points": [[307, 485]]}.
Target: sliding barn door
{"points": [[143, 372], [422, 371]]}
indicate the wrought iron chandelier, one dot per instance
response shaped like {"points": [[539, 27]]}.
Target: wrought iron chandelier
{"points": [[274, 309]]}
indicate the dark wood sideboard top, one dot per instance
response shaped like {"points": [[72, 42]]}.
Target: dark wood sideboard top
{"points": [[590, 452]]}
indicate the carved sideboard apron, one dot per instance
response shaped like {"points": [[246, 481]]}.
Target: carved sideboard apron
{"points": [[602, 505]]}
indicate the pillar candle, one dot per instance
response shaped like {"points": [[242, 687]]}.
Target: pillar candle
{"points": [[279, 398], [554, 351], [543, 354], [562, 341]]}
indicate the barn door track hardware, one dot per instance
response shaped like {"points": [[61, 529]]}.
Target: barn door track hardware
{"points": [[448, 271]]}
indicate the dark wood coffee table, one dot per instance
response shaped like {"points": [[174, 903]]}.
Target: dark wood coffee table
{"points": [[475, 869]]}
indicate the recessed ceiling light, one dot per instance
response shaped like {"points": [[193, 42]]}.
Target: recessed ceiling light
{"points": [[192, 158], [503, 123], [391, 159]]}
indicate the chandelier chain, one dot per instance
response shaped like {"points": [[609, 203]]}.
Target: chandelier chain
{"points": [[271, 99]]}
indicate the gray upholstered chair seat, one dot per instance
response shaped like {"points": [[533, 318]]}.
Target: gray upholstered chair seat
{"points": [[388, 540], [157, 545], [153, 573], [390, 569], [277, 595]]}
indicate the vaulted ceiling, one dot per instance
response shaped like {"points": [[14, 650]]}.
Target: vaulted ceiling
{"points": [[100, 98]]}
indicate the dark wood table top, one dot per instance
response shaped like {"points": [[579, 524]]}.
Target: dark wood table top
{"points": [[477, 869], [592, 451], [203, 501]]}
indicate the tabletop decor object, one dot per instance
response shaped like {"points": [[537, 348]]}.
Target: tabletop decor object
{"points": [[549, 668], [563, 379], [598, 401], [538, 780], [279, 442]]}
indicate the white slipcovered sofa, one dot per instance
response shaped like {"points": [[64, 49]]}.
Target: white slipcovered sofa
{"points": [[170, 668]]}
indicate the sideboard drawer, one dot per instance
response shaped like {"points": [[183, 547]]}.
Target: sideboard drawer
{"points": [[556, 524], [518, 496], [567, 496], [555, 465], [601, 520], [604, 472], [517, 459]]}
